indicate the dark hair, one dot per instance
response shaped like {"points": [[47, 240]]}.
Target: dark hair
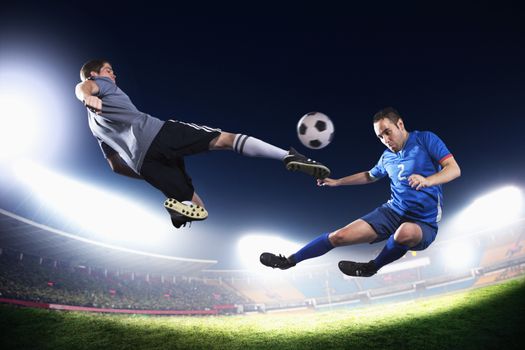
{"points": [[389, 113], [91, 66]]}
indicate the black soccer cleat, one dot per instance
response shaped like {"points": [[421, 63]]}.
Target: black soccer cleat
{"points": [[295, 161], [182, 213], [179, 222], [276, 261], [356, 269]]}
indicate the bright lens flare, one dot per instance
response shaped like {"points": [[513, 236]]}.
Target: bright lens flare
{"points": [[251, 246], [34, 114], [103, 213], [459, 256], [493, 210], [18, 130]]}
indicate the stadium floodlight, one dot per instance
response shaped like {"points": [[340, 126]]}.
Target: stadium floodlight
{"points": [[32, 117], [103, 213], [19, 127], [493, 210], [459, 256], [250, 247], [405, 265]]}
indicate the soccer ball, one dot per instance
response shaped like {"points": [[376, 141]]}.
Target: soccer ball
{"points": [[315, 130]]}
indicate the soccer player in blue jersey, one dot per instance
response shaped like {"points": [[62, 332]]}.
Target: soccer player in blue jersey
{"points": [[417, 163], [141, 146]]}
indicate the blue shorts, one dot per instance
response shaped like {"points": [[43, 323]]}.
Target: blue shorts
{"points": [[385, 221]]}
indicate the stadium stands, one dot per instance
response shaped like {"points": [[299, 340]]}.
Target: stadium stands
{"points": [[26, 277], [267, 291], [43, 265]]}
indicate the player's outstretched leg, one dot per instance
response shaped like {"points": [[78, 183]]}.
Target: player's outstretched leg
{"points": [[183, 212], [295, 161], [317, 247], [252, 147], [357, 269], [276, 261]]}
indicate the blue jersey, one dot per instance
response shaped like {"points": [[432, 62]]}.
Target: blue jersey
{"points": [[422, 154]]}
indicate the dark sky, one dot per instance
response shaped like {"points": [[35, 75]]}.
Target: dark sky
{"points": [[458, 72]]}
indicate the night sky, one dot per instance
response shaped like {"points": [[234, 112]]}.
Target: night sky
{"points": [[256, 70]]}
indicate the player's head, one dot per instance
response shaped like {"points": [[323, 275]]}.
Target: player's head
{"points": [[389, 128], [95, 68]]}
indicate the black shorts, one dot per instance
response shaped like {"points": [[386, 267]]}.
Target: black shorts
{"points": [[163, 165]]}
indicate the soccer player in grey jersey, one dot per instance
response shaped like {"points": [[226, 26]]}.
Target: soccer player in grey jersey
{"points": [[138, 145]]}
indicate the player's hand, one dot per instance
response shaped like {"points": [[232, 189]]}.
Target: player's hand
{"points": [[93, 103], [327, 182], [418, 182]]}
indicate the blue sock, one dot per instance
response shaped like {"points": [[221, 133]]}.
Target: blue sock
{"points": [[391, 252], [319, 246]]}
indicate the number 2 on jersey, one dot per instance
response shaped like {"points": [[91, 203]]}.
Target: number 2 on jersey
{"points": [[400, 176]]}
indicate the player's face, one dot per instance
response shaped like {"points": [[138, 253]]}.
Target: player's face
{"points": [[392, 135], [106, 71]]}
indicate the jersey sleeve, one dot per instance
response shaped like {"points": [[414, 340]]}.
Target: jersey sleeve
{"points": [[436, 148], [104, 85], [106, 150], [378, 171]]}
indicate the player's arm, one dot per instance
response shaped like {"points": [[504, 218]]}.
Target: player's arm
{"points": [[119, 166], [361, 178], [450, 170], [85, 92]]}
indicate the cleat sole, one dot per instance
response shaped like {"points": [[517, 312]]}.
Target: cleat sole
{"points": [[193, 211], [316, 170]]}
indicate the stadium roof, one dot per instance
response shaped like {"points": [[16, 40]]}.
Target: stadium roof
{"points": [[29, 237]]}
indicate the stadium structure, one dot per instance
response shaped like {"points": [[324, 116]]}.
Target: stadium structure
{"points": [[41, 266]]}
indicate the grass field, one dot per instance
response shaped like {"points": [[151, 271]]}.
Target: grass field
{"points": [[487, 318]]}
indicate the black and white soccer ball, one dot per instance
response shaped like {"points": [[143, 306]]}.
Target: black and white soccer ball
{"points": [[315, 130]]}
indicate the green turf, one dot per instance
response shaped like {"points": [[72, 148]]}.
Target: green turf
{"points": [[488, 318]]}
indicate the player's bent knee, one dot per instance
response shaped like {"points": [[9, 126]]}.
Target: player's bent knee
{"points": [[408, 234], [223, 142], [338, 238], [354, 233]]}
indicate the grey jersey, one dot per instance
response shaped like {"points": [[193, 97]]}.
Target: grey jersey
{"points": [[121, 125]]}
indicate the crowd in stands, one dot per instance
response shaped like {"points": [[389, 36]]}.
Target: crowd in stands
{"points": [[30, 278]]}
